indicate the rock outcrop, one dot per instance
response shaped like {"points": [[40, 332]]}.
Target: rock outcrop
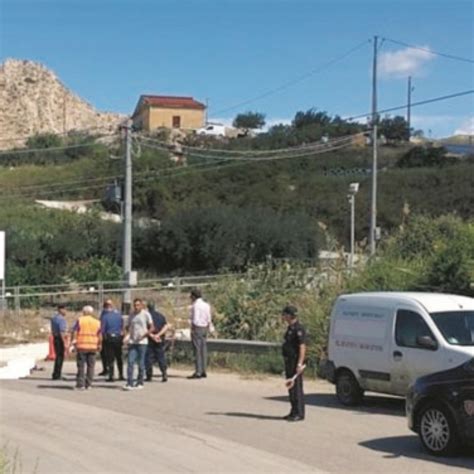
{"points": [[33, 100]]}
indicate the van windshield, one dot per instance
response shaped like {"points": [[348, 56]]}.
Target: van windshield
{"points": [[457, 327]]}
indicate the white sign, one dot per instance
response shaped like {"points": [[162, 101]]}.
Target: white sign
{"points": [[2, 255]]}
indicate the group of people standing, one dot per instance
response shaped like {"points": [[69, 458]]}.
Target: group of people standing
{"points": [[144, 333]]}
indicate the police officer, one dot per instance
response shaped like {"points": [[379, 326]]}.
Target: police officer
{"points": [[111, 325], [294, 351]]}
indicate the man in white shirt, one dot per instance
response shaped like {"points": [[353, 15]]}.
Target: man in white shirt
{"points": [[200, 321]]}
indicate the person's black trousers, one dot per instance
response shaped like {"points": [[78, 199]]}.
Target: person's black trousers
{"points": [[103, 359], [113, 353], [58, 361], [155, 352], [296, 392]]}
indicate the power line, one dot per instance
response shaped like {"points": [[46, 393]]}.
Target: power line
{"points": [[294, 81], [168, 172], [298, 154], [414, 104], [71, 132], [46, 150], [437, 53], [159, 145]]}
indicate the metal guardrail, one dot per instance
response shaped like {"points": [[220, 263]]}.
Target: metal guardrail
{"points": [[237, 346]]}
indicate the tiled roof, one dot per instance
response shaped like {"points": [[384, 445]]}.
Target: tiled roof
{"points": [[172, 102]]}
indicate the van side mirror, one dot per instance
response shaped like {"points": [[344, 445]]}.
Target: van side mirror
{"points": [[426, 342]]}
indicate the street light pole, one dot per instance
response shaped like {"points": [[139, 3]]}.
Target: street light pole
{"points": [[353, 189], [127, 220]]}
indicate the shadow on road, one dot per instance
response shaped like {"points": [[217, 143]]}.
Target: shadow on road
{"points": [[57, 387], [409, 447], [45, 379], [237, 414], [373, 404], [108, 386]]}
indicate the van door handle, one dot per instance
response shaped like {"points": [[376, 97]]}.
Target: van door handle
{"points": [[397, 355]]}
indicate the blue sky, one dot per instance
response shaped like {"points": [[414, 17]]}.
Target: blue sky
{"points": [[111, 51]]}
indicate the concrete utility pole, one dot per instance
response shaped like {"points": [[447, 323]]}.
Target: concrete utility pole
{"points": [[373, 205], [127, 219], [410, 90]]}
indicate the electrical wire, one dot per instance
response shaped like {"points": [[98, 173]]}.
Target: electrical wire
{"points": [[315, 145], [292, 82], [414, 104], [437, 53], [167, 173], [72, 132], [46, 150]]}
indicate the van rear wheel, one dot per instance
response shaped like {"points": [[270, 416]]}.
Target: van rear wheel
{"points": [[348, 390]]}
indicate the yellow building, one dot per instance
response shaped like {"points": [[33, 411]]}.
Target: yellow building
{"points": [[155, 111]]}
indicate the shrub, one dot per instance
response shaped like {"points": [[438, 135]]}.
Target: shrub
{"points": [[210, 239]]}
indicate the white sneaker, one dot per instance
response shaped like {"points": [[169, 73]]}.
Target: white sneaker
{"points": [[139, 386], [128, 387]]}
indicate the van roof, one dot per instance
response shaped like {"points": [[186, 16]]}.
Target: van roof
{"points": [[432, 302]]}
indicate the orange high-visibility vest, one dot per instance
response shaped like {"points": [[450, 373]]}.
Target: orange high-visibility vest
{"points": [[87, 334]]}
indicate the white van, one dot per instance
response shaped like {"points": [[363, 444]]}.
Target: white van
{"points": [[384, 341], [213, 129]]}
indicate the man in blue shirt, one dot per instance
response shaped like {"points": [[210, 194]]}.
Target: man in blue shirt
{"points": [[156, 344], [58, 330], [111, 322]]}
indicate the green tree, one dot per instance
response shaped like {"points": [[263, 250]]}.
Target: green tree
{"points": [[249, 121], [394, 128], [311, 117]]}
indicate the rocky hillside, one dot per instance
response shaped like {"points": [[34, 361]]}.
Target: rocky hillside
{"points": [[33, 100]]}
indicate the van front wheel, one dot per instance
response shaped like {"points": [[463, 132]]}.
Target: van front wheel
{"points": [[348, 390]]}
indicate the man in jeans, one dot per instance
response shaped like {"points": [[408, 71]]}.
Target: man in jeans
{"points": [[156, 344], [140, 326], [201, 323], [58, 331], [87, 339]]}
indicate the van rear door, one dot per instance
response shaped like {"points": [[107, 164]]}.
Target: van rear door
{"points": [[411, 358]]}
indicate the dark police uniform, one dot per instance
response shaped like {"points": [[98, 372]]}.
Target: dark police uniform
{"points": [[294, 337], [156, 350], [112, 332]]}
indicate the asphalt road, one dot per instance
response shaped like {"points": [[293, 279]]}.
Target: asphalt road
{"points": [[225, 423]]}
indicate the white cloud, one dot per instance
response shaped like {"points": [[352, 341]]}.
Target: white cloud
{"points": [[404, 62], [466, 127]]}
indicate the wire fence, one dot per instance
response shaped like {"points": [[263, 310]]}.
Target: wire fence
{"points": [[169, 292]]}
